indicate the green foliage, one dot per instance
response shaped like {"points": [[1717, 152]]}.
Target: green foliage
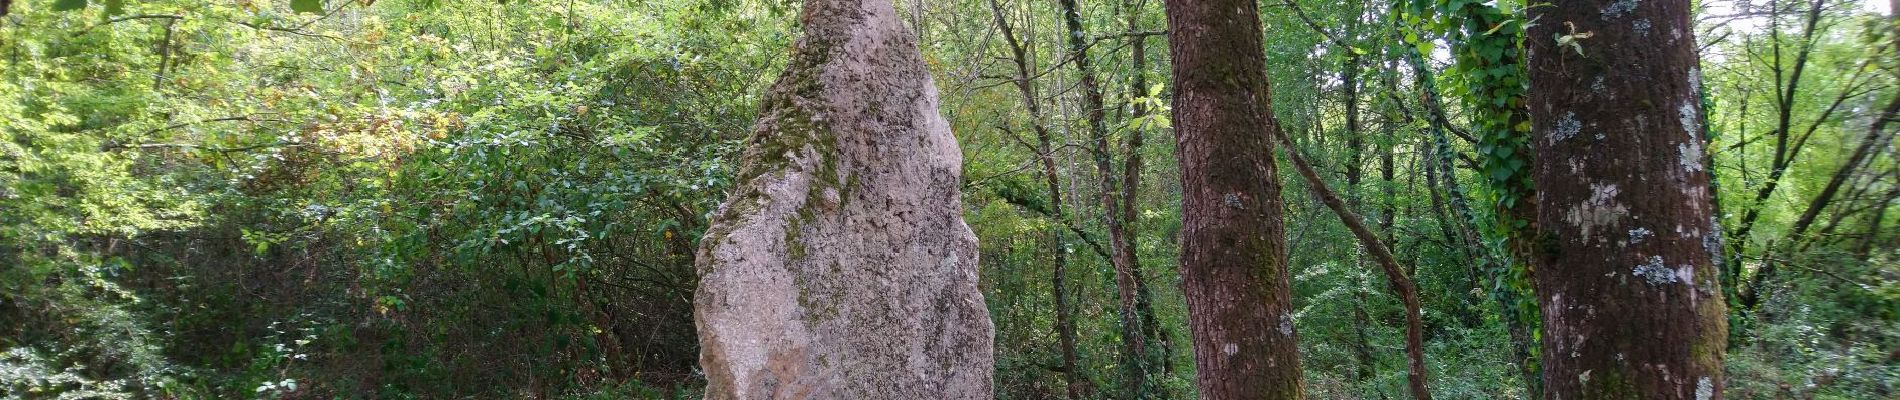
{"points": [[361, 165], [1824, 336], [1488, 74], [306, 6]]}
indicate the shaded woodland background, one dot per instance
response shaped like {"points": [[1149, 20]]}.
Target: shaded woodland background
{"points": [[439, 199]]}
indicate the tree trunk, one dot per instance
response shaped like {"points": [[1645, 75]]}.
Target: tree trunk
{"points": [[1515, 325], [1400, 283], [1355, 141], [1233, 247], [841, 267], [1785, 153], [1132, 167], [1388, 171], [1876, 135], [1879, 216], [1120, 242], [1045, 156], [1627, 240], [1875, 132]]}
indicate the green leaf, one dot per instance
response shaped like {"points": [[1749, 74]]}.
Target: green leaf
{"points": [[115, 7], [68, 5], [1491, 54], [1500, 174], [306, 6]]}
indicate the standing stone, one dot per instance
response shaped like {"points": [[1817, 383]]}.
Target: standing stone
{"points": [[840, 267]]}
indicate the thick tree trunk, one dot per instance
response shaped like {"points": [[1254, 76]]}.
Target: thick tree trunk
{"points": [[1233, 247], [1625, 267], [841, 266]]}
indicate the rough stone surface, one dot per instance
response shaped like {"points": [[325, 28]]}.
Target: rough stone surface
{"points": [[840, 267]]}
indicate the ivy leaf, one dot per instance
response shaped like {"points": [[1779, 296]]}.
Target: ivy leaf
{"points": [[306, 6], [1499, 174], [1491, 54], [115, 7], [68, 5], [1503, 152]]}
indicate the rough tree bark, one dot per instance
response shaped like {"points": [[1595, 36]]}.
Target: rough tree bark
{"points": [[1233, 247], [841, 266], [1627, 241]]}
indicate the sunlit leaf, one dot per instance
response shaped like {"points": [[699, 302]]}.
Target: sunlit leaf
{"points": [[306, 6]]}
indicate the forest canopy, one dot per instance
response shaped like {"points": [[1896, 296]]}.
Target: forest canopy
{"points": [[518, 199]]}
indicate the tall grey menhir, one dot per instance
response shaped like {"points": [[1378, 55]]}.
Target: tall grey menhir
{"points": [[840, 267]]}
